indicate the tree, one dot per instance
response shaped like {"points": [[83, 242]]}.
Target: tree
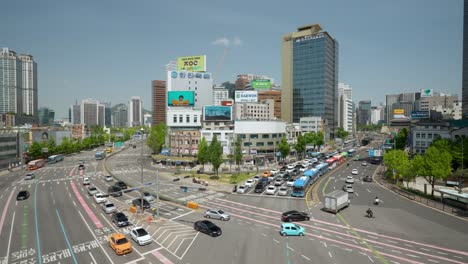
{"points": [[320, 139], [401, 139], [341, 133], [215, 154], [203, 156], [397, 162], [35, 150], [300, 146], [238, 152], [284, 148], [438, 165], [157, 137]]}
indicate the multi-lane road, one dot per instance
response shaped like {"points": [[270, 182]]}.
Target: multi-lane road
{"points": [[61, 223]]}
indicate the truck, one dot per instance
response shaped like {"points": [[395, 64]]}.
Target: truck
{"points": [[336, 200]]}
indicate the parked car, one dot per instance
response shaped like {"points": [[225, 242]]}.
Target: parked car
{"points": [[217, 214], [270, 190], [207, 227], [30, 176], [241, 189], [141, 236], [81, 162], [109, 208], [121, 184], [92, 190], [274, 172], [283, 191], [114, 191], [290, 182], [120, 244], [108, 178], [86, 181], [291, 229], [278, 182], [294, 215], [354, 172], [137, 203], [148, 197], [348, 188], [120, 219], [249, 183], [260, 187], [22, 195], [256, 178], [100, 198], [81, 167]]}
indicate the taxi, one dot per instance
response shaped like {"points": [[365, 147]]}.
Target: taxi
{"points": [[120, 244]]}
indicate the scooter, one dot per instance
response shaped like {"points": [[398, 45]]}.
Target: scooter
{"points": [[370, 214], [376, 202]]}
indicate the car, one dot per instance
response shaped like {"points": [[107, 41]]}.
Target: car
{"points": [[81, 162], [256, 178], [241, 189], [109, 208], [207, 227], [141, 236], [364, 163], [148, 197], [278, 182], [114, 191], [290, 182], [367, 178], [266, 174], [108, 178], [86, 181], [249, 183], [29, 176], [354, 172], [274, 171], [81, 167], [286, 177], [260, 187], [22, 195], [137, 203], [100, 198], [120, 219], [217, 214], [349, 180], [294, 215], [283, 191], [92, 190], [120, 244], [348, 188], [121, 184], [271, 178], [270, 190], [291, 229]]}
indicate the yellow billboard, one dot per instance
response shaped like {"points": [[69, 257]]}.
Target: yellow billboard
{"points": [[192, 63], [398, 111]]}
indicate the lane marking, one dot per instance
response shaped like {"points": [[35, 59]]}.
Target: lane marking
{"points": [[92, 257], [330, 254], [66, 237], [305, 257], [39, 256], [161, 257], [9, 239], [86, 207], [5, 209], [187, 247]]}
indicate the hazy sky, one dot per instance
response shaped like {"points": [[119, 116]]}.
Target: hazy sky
{"points": [[111, 50]]}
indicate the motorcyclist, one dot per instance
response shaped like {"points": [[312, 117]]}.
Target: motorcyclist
{"points": [[347, 164], [376, 200], [369, 212]]}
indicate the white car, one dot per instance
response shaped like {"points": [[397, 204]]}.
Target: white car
{"points": [[256, 178], [30, 176], [349, 180], [108, 178], [249, 183], [109, 208], [290, 183], [278, 182], [140, 236], [274, 172], [348, 188], [270, 190], [92, 190], [148, 197], [354, 172], [86, 181], [100, 198], [241, 189], [283, 191]]}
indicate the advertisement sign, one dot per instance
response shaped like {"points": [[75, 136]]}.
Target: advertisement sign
{"points": [[426, 93], [261, 84], [398, 111], [180, 98], [217, 113], [246, 96], [227, 103], [192, 63], [419, 114]]}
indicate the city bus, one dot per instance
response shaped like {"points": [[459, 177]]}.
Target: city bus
{"points": [[351, 152], [55, 158], [302, 183], [100, 155], [36, 164]]}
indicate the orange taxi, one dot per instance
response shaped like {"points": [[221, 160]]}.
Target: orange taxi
{"points": [[266, 174], [120, 244]]}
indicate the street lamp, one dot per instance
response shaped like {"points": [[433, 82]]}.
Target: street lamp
{"points": [[141, 157]]}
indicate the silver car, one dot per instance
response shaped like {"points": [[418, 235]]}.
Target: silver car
{"points": [[92, 190], [108, 178], [30, 176], [217, 214], [148, 197], [109, 208]]}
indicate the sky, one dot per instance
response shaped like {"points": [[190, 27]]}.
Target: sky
{"points": [[110, 50]]}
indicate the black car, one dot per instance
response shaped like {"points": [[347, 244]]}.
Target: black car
{"points": [[121, 184], [294, 215], [367, 179], [120, 219], [114, 191], [287, 177], [137, 203], [81, 167], [207, 227], [22, 195], [260, 187]]}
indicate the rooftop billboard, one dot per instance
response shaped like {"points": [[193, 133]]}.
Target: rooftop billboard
{"points": [[180, 98], [246, 96], [217, 113], [192, 63], [261, 84]]}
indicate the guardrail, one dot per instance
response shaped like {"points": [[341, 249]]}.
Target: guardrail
{"points": [[380, 177]]}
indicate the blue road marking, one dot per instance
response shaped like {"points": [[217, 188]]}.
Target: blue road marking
{"points": [[66, 238], [39, 257]]}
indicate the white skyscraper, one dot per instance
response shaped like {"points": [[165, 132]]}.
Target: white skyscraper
{"points": [[345, 107], [92, 113], [135, 112]]}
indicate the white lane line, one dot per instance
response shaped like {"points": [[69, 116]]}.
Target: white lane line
{"points": [[414, 256], [330, 254], [408, 245], [396, 251], [356, 194], [181, 215], [188, 246], [368, 190], [373, 237], [291, 249], [325, 244], [264, 235], [11, 232], [91, 231], [305, 257], [94, 205], [431, 260], [276, 241], [458, 257], [74, 203], [425, 249], [443, 253], [69, 195], [92, 257], [370, 259]]}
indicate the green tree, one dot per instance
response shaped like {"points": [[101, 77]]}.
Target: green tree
{"points": [[35, 150], [401, 139], [284, 148], [216, 154], [397, 163], [320, 139], [51, 146], [438, 165], [238, 152], [203, 152], [300, 146], [157, 137], [341, 133]]}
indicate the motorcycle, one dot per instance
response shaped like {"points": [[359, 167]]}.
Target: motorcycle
{"points": [[234, 189], [376, 202], [370, 214]]}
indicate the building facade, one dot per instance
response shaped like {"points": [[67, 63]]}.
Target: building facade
{"points": [[345, 107], [260, 137], [310, 76], [465, 62], [92, 112], [423, 133], [120, 115], [276, 97], [159, 101], [405, 103], [220, 94], [364, 112], [200, 83], [29, 83], [244, 81], [312, 124], [135, 112], [262, 110], [376, 114], [46, 116]]}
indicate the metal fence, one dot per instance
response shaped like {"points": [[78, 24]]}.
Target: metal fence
{"points": [[439, 205]]}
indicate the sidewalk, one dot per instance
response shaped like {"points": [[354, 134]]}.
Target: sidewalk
{"points": [[419, 183]]}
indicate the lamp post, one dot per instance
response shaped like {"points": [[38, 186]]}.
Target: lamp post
{"points": [[460, 180], [141, 157]]}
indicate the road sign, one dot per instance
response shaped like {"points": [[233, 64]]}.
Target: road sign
{"points": [[371, 153]]}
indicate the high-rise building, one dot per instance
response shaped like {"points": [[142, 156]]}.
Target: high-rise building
{"points": [[92, 112], [200, 83], [120, 115], [376, 114], [465, 63], [135, 112], [276, 96], [309, 80], [29, 75], [159, 102], [345, 107], [220, 94], [75, 114], [401, 104], [107, 114], [46, 116], [364, 112]]}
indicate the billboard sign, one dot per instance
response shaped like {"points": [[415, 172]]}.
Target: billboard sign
{"points": [[246, 96], [180, 98], [217, 113], [261, 84], [419, 114], [192, 63], [226, 103], [398, 111], [426, 93]]}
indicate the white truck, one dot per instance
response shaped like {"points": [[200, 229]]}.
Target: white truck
{"points": [[336, 200]]}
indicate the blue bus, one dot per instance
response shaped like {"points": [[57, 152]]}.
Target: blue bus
{"points": [[55, 159], [302, 183], [100, 155], [351, 152], [322, 168]]}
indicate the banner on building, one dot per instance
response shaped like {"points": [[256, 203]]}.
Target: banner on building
{"points": [[246, 96], [180, 98], [192, 63], [398, 111], [217, 113], [419, 114], [227, 103], [426, 93], [261, 84]]}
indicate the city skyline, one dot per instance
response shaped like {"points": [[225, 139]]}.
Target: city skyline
{"points": [[377, 53]]}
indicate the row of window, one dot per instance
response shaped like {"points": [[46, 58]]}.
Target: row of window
{"points": [[255, 136], [429, 135], [258, 144], [187, 118]]}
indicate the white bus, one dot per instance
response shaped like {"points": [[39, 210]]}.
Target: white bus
{"points": [[55, 158]]}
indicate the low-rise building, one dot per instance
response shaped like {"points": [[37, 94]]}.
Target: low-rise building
{"points": [[260, 137], [263, 110]]}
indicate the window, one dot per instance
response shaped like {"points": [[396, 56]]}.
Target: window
{"points": [[188, 119], [418, 135], [181, 118], [423, 135], [175, 119], [260, 144], [274, 136], [254, 136], [246, 144], [429, 135], [265, 136], [242, 136], [195, 118], [270, 144]]}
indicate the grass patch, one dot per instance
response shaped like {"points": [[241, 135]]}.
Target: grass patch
{"points": [[237, 178], [225, 178]]}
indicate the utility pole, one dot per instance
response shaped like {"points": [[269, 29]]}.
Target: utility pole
{"points": [[141, 156], [157, 193]]}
